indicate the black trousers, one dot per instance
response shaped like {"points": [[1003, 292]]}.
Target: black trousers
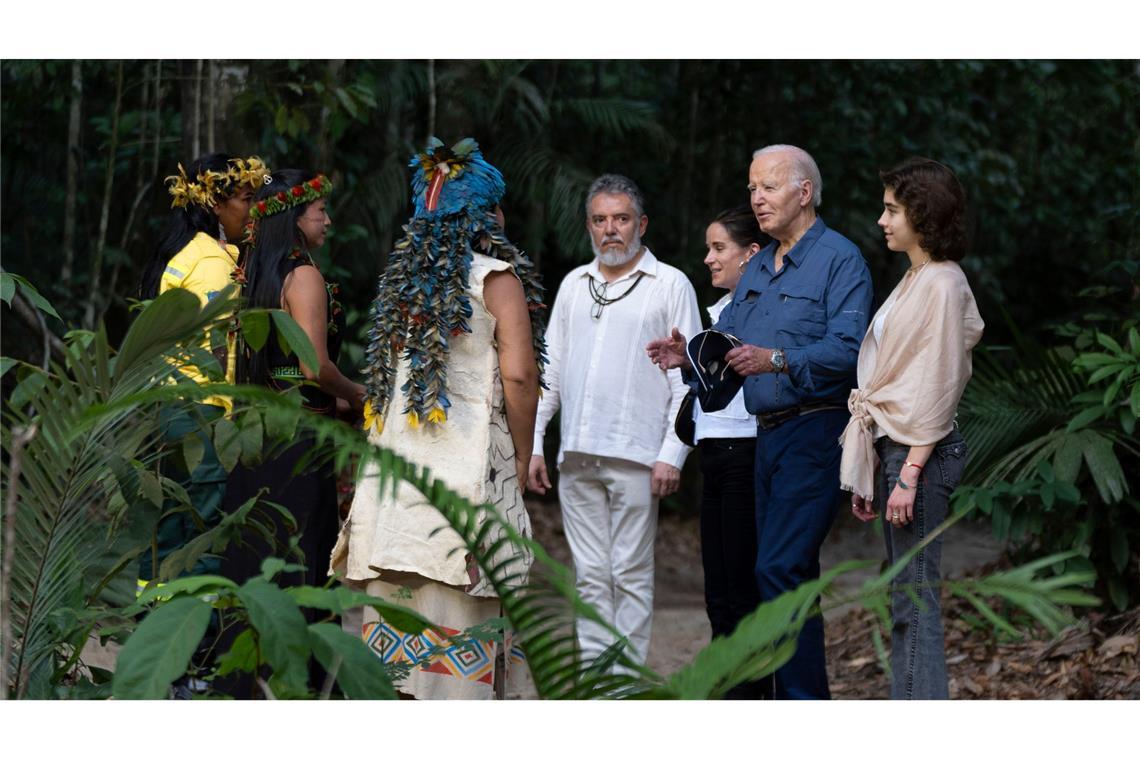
{"points": [[310, 497], [728, 538]]}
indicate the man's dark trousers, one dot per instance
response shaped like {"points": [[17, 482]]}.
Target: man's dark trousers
{"points": [[797, 491]]}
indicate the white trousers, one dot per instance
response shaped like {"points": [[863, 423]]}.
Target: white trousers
{"points": [[610, 518]]}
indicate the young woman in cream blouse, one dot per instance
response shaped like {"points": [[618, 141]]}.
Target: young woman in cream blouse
{"points": [[902, 453]]}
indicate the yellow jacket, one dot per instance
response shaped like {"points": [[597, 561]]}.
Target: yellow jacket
{"points": [[204, 268]]}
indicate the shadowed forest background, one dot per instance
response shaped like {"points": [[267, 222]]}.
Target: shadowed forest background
{"points": [[1049, 153]]}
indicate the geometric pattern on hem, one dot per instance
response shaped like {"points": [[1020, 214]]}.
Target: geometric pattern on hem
{"points": [[473, 661]]}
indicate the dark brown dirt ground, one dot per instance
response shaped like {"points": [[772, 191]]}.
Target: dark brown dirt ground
{"points": [[1094, 659]]}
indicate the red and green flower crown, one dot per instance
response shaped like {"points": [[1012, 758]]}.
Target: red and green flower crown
{"points": [[306, 192]]}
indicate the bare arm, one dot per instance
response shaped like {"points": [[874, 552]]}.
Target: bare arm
{"points": [[900, 501], [503, 294], [305, 299]]}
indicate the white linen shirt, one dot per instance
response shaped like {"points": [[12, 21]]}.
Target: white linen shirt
{"points": [[733, 421], [614, 401]]}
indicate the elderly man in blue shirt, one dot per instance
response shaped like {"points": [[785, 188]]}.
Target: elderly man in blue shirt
{"points": [[801, 311]]}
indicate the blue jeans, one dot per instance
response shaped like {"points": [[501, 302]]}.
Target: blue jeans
{"points": [[918, 655], [797, 492]]}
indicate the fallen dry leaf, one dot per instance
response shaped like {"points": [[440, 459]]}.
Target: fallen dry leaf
{"points": [[859, 662], [1118, 645]]}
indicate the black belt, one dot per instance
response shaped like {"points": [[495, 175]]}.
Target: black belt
{"points": [[769, 420]]}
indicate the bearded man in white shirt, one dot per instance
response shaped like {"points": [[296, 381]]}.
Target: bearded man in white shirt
{"points": [[619, 454]]}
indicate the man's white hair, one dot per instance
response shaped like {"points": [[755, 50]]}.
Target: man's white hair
{"points": [[803, 167]]}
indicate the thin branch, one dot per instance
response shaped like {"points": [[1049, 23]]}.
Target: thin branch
{"points": [[197, 108], [123, 241], [431, 96], [53, 346], [210, 107], [157, 115], [72, 173], [108, 186], [21, 437]]}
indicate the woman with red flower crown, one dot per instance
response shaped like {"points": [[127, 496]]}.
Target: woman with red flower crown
{"points": [[290, 220]]}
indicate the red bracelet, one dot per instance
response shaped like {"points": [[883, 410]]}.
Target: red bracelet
{"points": [[909, 463]]}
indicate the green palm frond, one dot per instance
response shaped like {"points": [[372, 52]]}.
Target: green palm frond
{"points": [[761, 643], [72, 468], [1008, 403], [617, 117]]}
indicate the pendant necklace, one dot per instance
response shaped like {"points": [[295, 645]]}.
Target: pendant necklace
{"points": [[598, 293]]}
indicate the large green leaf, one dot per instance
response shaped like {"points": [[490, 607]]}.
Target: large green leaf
{"points": [[160, 650], [282, 631], [195, 585], [167, 319], [7, 287], [252, 437], [193, 451], [32, 295], [227, 443], [1105, 468], [255, 327], [762, 642], [242, 654], [293, 339], [358, 670], [340, 599]]}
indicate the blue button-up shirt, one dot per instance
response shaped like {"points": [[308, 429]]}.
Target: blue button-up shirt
{"points": [[815, 309]]}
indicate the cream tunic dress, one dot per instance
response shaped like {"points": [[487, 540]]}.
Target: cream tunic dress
{"points": [[402, 549]]}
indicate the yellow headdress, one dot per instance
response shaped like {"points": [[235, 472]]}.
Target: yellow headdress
{"points": [[205, 189], [248, 171]]}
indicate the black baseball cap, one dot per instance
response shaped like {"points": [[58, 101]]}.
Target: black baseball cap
{"points": [[719, 383]]}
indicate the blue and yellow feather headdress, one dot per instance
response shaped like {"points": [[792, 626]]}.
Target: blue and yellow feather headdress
{"points": [[448, 181], [421, 302]]}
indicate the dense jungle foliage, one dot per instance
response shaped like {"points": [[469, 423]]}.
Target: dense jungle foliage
{"points": [[1049, 153]]}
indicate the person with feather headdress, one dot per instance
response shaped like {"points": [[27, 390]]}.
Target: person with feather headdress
{"points": [[454, 366]]}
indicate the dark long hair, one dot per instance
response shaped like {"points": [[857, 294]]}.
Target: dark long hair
{"points": [[182, 225], [741, 225], [266, 265]]}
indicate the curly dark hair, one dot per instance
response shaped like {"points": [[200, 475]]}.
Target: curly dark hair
{"points": [[935, 205]]}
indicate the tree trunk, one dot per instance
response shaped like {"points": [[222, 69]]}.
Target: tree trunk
{"points": [[157, 117], [72, 173], [431, 95], [197, 109], [143, 184], [186, 86], [324, 144], [144, 129], [211, 108], [690, 152], [21, 436], [105, 215]]}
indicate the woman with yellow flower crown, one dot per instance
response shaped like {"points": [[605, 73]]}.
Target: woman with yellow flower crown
{"points": [[210, 207], [290, 221], [454, 367]]}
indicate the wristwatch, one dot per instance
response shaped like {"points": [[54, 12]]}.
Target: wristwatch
{"points": [[778, 360]]}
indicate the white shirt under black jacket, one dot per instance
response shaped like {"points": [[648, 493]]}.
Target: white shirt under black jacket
{"points": [[615, 402]]}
